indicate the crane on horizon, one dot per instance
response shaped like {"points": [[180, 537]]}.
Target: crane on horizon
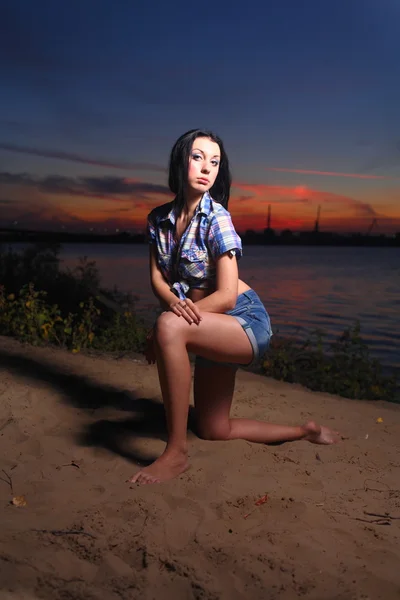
{"points": [[269, 217], [316, 226], [372, 225]]}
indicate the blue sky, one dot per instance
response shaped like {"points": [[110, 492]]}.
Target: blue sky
{"points": [[94, 94]]}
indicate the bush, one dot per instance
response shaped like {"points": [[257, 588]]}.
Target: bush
{"points": [[344, 368], [39, 264], [123, 334], [31, 319], [62, 307]]}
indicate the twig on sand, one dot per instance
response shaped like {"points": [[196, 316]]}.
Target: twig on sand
{"points": [[4, 425], [370, 489], [385, 519], [285, 458], [71, 464], [143, 526], [374, 521], [65, 532], [385, 516], [8, 480]]}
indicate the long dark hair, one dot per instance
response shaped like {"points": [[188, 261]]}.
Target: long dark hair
{"points": [[179, 164]]}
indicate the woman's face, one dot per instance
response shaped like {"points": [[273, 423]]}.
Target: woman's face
{"points": [[203, 164]]}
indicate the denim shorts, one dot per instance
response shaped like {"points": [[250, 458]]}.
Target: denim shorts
{"points": [[252, 316]]}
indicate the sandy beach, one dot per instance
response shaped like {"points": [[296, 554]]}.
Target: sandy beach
{"points": [[73, 428]]}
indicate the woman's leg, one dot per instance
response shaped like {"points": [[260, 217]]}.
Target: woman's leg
{"points": [[219, 338], [213, 393]]}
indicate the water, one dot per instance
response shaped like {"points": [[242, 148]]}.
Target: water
{"points": [[303, 288]]}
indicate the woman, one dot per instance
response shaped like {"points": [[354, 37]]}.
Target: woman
{"points": [[194, 252]]}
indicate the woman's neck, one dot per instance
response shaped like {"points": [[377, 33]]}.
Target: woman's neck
{"points": [[191, 203]]}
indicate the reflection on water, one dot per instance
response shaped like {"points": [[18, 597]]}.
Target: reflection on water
{"points": [[302, 288]]}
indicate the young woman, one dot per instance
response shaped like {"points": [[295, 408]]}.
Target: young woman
{"points": [[209, 311]]}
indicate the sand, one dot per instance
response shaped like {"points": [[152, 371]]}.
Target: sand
{"points": [[73, 428]]}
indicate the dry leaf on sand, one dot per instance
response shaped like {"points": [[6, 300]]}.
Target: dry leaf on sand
{"points": [[258, 502], [262, 500], [19, 501]]}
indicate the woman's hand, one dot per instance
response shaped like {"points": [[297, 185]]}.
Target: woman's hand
{"points": [[149, 351], [186, 309]]}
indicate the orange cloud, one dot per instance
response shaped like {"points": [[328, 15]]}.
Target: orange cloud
{"points": [[119, 202], [327, 173], [296, 208], [300, 195]]}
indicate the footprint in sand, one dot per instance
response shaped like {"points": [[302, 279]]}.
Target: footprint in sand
{"points": [[98, 489], [189, 514], [310, 483], [32, 448], [18, 595], [114, 566]]}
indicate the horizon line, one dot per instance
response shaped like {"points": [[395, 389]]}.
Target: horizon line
{"points": [[141, 231]]}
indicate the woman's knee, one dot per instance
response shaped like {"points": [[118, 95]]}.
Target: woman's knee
{"points": [[213, 431], [167, 326]]}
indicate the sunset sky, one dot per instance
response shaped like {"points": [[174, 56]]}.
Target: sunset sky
{"points": [[305, 95]]}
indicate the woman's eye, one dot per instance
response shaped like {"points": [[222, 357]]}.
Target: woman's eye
{"points": [[198, 157]]}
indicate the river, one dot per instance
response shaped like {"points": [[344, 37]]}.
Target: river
{"points": [[303, 288]]}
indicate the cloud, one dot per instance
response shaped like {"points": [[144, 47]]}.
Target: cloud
{"points": [[243, 199], [79, 158], [327, 173], [303, 195], [389, 156], [122, 203], [55, 218], [48, 202], [94, 187], [295, 207]]}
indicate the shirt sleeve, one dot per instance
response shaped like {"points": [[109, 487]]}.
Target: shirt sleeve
{"points": [[223, 238], [150, 231]]}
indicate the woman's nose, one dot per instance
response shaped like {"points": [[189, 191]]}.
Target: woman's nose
{"points": [[206, 168]]}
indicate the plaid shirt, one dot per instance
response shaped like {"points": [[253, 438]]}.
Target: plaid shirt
{"points": [[191, 262]]}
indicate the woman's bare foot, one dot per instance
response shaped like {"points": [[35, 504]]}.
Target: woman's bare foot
{"points": [[318, 434], [168, 466]]}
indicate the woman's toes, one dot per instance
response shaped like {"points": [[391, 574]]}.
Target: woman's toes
{"points": [[144, 479]]}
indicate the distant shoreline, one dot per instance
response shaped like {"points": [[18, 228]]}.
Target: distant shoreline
{"points": [[267, 238]]}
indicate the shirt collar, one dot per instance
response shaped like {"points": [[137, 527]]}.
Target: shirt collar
{"points": [[204, 207]]}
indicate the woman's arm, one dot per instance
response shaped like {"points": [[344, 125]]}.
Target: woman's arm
{"points": [[225, 296], [168, 300], [159, 285]]}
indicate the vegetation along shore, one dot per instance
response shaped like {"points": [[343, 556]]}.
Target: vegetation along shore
{"points": [[42, 304]]}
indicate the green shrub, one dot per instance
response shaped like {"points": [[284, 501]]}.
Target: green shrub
{"points": [[31, 319], [63, 307], [345, 367], [123, 334], [40, 265]]}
